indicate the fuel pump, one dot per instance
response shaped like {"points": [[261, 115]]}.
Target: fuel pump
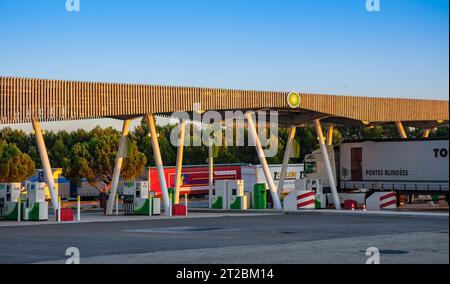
{"points": [[142, 204], [136, 198], [219, 195], [237, 200], [316, 186], [259, 196], [9, 197], [36, 207]]}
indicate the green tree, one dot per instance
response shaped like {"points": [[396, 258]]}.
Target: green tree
{"points": [[17, 137], [143, 140], [373, 132], [94, 160], [308, 141], [61, 143], [15, 166], [441, 132]]}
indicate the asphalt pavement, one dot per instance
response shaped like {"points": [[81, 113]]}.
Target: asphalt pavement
{"points": [[254, 239]]}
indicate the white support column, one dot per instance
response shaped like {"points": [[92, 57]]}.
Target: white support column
{"points": [[401, 130], [159, 163], [287, 157], [327, 163], [330, 135], [426, 133], [45, 163], [118, 167], [179, 160], [263, 160], [210, 173]]}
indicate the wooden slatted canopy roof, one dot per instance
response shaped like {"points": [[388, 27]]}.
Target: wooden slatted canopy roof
{"points": [[23, 99]]}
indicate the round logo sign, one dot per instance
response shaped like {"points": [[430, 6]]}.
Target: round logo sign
{"points": [[293, 99]]}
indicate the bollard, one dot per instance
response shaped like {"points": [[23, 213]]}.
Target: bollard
{"points": [[186, 203], [78, 208], [150, 207], [19, 203], [170, 205], [59, 209], [117, 205]]}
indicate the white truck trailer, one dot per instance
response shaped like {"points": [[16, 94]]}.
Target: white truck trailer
{"points": [[254, 174], [419, 166]]}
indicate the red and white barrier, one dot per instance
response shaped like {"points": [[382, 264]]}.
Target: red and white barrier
{"points": [[388, 201], [306, 200], [382, 201], [299, 200]]}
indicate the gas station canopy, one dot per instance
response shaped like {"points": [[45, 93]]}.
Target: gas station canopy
{"points": [[24, 100]]}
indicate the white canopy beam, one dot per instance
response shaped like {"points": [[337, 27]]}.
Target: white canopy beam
{"points": [[326, 160], [401, 130], [179, 167], [263, 160], [121, 154], [287, 157], [45, 163], [158, 161]]}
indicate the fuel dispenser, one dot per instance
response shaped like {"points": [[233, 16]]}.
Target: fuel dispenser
{"points": [[9, 197], [137, 200], [259, 196], [128, 197], [316, 186], [142, 204], [219, 195], [237, 200], [36, 207]]}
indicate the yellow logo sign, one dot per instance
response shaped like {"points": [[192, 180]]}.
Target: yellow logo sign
{"points": [[293, 99]]}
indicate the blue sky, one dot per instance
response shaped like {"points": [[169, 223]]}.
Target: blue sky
{"points": [[319, 46]]}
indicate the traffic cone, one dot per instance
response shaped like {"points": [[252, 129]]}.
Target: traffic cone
{"points": [[364, 207], [353, 207]]}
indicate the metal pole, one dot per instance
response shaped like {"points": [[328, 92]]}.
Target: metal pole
{"points": [[45, 163], [326, 159], [287, 157], [118, 167], [117, 205], [150, 207], [170, 205], [78, 208], [19, 209], [263, 160], [401, 130], [186, 203], [179, 160], [210, 173], [330, 135], [159, 163]]}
